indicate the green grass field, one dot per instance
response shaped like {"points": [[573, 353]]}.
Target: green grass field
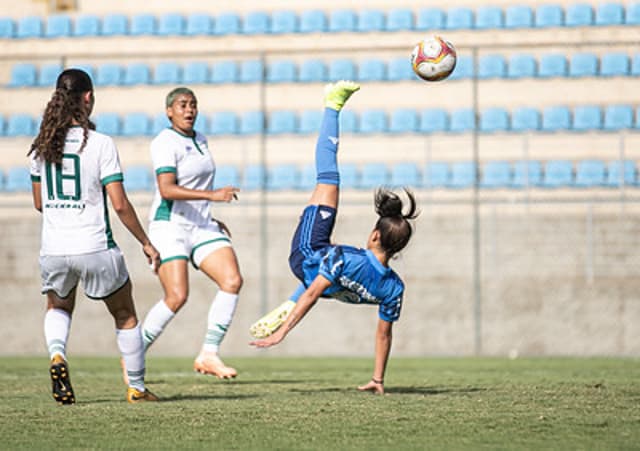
{"points": [[311, 403]]}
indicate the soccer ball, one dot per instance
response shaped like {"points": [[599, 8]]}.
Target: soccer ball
{"points": [[433, 59]]}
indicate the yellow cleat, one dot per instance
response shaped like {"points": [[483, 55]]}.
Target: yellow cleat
{"points": [[337, 94], [212, 364], [60, 381], [269, 323], [135, 396]]}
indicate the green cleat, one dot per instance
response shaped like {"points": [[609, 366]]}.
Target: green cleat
{"points": [[337, 94], [269, 323], [60, 382]]}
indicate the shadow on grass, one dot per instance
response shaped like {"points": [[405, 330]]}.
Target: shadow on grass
{"points": [[210, 379], [200, 397], [431, 390]]}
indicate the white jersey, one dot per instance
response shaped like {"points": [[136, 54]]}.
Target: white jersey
{"points": [[75, 219], [189, 158]]}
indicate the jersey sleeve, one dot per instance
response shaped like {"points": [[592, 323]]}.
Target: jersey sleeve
{"points": [[389, 309], [332, 264], [110, 170], [162, 156], [34, 168]]}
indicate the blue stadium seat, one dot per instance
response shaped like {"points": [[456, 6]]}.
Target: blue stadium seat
{"points": [[526, 173], [223, 123], [556, 118], [522, 65], [373, 121], [142, 25], [342, 69], [29, 27], [18, 180], [614, 65], [403, 120], [399, 19], [226, 175], [251, 123], [313, 70], [86, 25], [430, 19], [137, 74], [348, 122], [58, 26], [637, 122], [310, 122], [256, 22], [20, 125], [342, 20], [549, 16], [494, 120], [224, 72], [2, 126], [159, 122], [399, 69], [313, 21], [48, 74], [253, 178], [488, 17], [464, 68], [283, 177], [307, 179], [553, 65], [171, 24], [372, 69], [226, 23], [283, 71], [251, 71], [195, 72], [462, 120], [459, 18], [199, 24], [115, 25], [23, 74], [108, 123], [583, 65], [518, 16], [618, 117], [109, 75], [496, 174], [373, 175], [586, 118], [463, 175], [635, 65], [632, 16], [434, 120], [557, 173], [525, 119], [405, 174], [492, 66], [579, 15], [167, 73], [370, 20], [284, 22], [2, 180], [138, 178], [436, 175], [135, 124], [608, 14], [621, 173], [589, 173], [349, 176], [201, 123], [7, 28], [282, 122]]}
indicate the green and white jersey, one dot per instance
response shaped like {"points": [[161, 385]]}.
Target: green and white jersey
{"points": [[189, 158], [75, 219]]}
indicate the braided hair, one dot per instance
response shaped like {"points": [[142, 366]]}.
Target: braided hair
{"points": [[393, 225]]}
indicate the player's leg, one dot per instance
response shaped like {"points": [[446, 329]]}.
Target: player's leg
{"points": [[57, 322], [269, 323]]}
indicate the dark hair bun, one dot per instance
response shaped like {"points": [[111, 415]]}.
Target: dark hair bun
{"points": [[389, 205]]}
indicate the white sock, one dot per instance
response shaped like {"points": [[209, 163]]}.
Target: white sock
{"points": [[155, 322], [132, 350], [57, 323], [220, 316]]}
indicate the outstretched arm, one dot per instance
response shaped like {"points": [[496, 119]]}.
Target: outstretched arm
{"points": [[383, 348]]}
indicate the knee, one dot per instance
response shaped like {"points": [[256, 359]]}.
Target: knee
{"points": [[175, 299], [125, 318], [232, 283]]}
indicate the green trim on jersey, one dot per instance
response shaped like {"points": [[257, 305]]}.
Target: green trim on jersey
{"points": [[112, 178], [166, 170], [177, 257], [35, 178], [108, 232], [163, 213]]}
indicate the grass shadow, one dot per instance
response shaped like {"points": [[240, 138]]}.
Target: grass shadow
{"points": [[201, 397], [431, 390]]}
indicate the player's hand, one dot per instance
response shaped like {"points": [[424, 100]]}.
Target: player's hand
{"points": [[225, 194], [271, 340], [223, 227], [377, 388], [153, 256]]}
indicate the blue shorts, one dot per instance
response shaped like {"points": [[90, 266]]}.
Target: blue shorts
{"points": [[313, 233]]}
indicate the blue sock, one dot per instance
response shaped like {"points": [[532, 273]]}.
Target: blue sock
{"points": [[296, 294], [327, 148]]}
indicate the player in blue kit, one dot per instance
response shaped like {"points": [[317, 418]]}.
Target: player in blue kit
{"points": [[346, 273]]}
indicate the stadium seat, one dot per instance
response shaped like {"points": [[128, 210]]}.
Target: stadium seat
{"points": [[2, 126], [310, 122], [135, 124], [587, 118], [348, 122], [608, 14], [142, 25], [20, 125], [435, 175], [251, 123], [253, 178], [58, 26], [195, 72], [557, 173], [518, 16], [201, 124], [226, 23], [23, 75], [522, 65], [632, 15], [583, 65], [114, 25], [349, 176], [618, 117], [283, 71], [492, 66], [399, 19], [614, 65], [283, 177], [372, 121], [29, 27], [48, 74], [620, 173], [342, 69], [556, 118], [464, 68], [108, 123], [635, 65], [342, 20], [399, 69], [313, 21], [463, 175], [226, 175], [109, 75], [284, 22], [136, 74], [579, 15], [403, 120], [251, 71], [223, 123], [494, 120], [526, 174], [313, 70], [488, 17], [370, 20], [171, 24], [138, 178], [18, 180], [373, 175], [553, 65], [405, 174], [2, 180], [282, 122], [459, 18], [496, 174], [7, 28], [525, 119], [549, 16], [167, 73], [429, 19], [86, 25], [159, 122], [372, 69], [434, 120], [199, 24], [307, 179], [462, 120], [224, 72], [256, 22], [589, 173]]}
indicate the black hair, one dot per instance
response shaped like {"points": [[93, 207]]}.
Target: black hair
{"points": [[393, 225]]}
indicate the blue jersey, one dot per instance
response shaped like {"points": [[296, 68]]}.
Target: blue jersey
{"points": [[357, 277]]}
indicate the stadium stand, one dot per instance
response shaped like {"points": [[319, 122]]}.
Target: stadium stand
{"points": [[58, 26], [18, 180], [198, 24], [496, 174]]}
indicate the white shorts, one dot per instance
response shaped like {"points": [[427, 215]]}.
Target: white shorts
{"points": [[186, 242], [102, 273]]}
